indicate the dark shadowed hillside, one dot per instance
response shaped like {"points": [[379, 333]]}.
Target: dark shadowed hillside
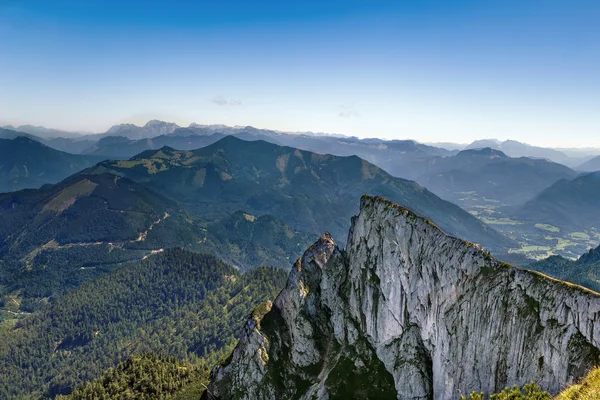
{"points": [[56, 238], [26, 163], [570, 205], [584, 271], [472, 176]]}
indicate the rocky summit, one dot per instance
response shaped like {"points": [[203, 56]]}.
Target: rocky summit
{"points": [[408, 312]]}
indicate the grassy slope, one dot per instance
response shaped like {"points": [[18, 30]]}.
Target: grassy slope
{"points": [[588, 389]]}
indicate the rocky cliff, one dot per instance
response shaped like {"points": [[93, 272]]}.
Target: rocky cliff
{"points": [[408, 312]]}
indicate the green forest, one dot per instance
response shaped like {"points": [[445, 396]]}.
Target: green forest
{"points": [[146, 377], [179, 304]]}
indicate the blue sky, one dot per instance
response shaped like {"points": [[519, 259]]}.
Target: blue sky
{"points": [[428, 70]]}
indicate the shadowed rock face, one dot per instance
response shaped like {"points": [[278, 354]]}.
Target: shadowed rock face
{"points": [[408, 312]]}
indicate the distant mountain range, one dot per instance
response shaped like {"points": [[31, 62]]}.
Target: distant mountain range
{"points": [[517, 149], [311, 192], [571, 205], [26, 163], [472, 176], [151, 129], [45, 133], [10, 134], [122, 148], [155, 128], [590, 165], [381, 152], [487, 182]]}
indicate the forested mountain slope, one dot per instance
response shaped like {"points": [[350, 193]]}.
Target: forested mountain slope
{"points": [[584, 271], [181, 304], [310, 192], [58, 237], [27, 163]]}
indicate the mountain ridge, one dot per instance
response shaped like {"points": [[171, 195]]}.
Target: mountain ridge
{"points": [[28, 163], [409, 312], [473, 177], [583, 271], [590, 165], [296, 186], [569, 204]]}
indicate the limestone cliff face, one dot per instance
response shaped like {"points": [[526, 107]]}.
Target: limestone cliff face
{"points": [[407, 312]]}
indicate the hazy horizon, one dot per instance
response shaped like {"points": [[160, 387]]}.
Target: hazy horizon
{"points": [[428, 71], [83, 133]]}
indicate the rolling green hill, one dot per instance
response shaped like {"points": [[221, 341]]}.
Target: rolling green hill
{"points": [[310, 192], [58, 237], [184, 305]]}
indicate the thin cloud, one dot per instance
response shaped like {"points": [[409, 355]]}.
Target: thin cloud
{"points": [[348, 111], [222, 101]]}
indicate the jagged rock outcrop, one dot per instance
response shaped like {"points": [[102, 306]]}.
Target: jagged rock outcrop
{"points": [[408, 312]]}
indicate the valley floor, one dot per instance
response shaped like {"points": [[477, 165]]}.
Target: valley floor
{"points": [[537, 240]]}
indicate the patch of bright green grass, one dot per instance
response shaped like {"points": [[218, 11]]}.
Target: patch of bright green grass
{"points": [[547, 227], [580, 235], [500, 221]]}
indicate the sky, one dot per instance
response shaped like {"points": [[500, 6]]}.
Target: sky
{"points": [[427, 70]]}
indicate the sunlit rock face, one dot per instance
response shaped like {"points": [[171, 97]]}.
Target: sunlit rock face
{"points": [[408, 312]]}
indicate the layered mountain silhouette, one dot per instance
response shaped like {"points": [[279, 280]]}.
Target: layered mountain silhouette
{"points": [[514, 148], [151, 129], [571, 205], [311, 192], [120, 147], [27, 163], [590, 165], [45, 133], [491, 174]]}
